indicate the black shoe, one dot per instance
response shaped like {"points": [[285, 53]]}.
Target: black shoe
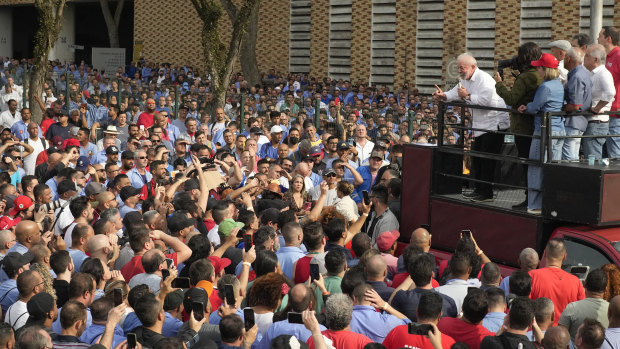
{"points": [[481, 198], [520, 206], [470, 195]]}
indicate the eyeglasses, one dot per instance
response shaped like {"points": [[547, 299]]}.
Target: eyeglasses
{"points": [[330, 175], [142, 157], [101, 170]]}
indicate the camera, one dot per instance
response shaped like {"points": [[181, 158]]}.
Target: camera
{"points": [[511, 63], [52, 205]]}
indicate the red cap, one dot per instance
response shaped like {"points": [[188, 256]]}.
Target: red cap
{"points": [[547, 60], [7, 223], [20, 203], [386, 240], [69, 142], [219, 263], [57, 141]]}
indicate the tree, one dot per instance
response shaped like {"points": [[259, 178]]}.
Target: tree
{"points": [[112, 22], [247, 56], [49, 27], [219, 57]]}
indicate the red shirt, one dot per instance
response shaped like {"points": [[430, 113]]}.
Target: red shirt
{"points": [[134, 266], [612, 63], [145, 119], [462, 331], [215, 300], [302, 269], [399, 337], [559, 286], [45, 124], [343, 339]]}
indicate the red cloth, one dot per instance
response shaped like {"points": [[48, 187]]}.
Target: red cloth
{"points": [[612, 63], [45, 124], [302, 269], [462, 331], [209, 223], [144, 194], [215, 300], [343, 339], [399, 337], [400, 278], [145, 119], [134, 266], [559, 286], [41, 158]]}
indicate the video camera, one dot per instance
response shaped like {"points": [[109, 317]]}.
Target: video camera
{"points": [[511, 63]]}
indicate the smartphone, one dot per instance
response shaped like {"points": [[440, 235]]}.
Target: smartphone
{"points": [[247, 242], [181, 283], [337, 101], [419, 329], [466, 233], [366, 197], [314, 271], [118, 296], [164, 274], [294, 318], [83, 105], [142, 127], [198, 308], [307, 206], [229, 294], [132, 341], [248, 318], [426, 226], [170, 262]]}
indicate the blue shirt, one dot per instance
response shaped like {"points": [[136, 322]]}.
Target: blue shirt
{"points": [[549, 97], [90, 151], [92, 333], [124, 209], [493, 321], [372, 324], [171, 326], [316, 178], [57, 327], [287, 256], [20, 129], [505, 284], [8, 294], [268, 151], [299, 331], [96, 114], [78, 258], [98, 158], [131, 322], [382, 289], [407, 303], [137, 181], [578, 91], [364, 171], [54, 187], [215, 318]]}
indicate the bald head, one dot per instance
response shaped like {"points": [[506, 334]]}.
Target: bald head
{"points": [[529, 259], [376, 268], [98, 242], [300, 298], [467, 59], [556, 338], [302, 168], [421, 238], [104, 197], [27, 233]]}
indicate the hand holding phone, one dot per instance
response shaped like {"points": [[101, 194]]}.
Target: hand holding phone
{"points": [[366, 197], [181, 283], [314, 272], [198, 308], [466, 233], [248, 318], [229, 295], [118, 296], [419, 329], [132, 341], [294, 318], [165, 273], [247, 242]]}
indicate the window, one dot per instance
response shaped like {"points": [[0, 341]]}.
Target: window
{"points": [[383, 42], [299, 37], [536, 22], [579, 252], [429, 50], [481, 32], [340, 39]]}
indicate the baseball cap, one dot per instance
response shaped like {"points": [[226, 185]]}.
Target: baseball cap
{"points": [[21, 203], [111, 150], [329, 171], [69, 142], [7, 223], [275, 188], [547, 60], [39, 305], [183, 138], [343, 145], [65, 186], [179, 221], [93, 188], [316, 150], [127, 154], [561, 44], [227, 225], [14, 260], [376, 154], [276, 129], [386, 239], [381, 144], [57, 141], [195, 294], [128, 192], [82, 163], [173, 300], [219, 263], [256, 130]]}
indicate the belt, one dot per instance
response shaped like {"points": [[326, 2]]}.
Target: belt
{"points": [[597, 122]]}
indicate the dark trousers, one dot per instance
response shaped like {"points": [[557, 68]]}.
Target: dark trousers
{"points": [[484, 169]]}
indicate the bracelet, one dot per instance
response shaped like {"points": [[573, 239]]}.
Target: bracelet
{"points": [[326, 293], [479, 252], [248, 264]]}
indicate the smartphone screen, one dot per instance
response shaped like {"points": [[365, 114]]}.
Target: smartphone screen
{"points": [[247, 242], [165, 273], [170, 262], [118, 296], [132, 341], [198, 308], [466, 233], [314, 272], [419, 329], [248, 318], [294, 318], [366, 197], [230, 294], [181, 283]]}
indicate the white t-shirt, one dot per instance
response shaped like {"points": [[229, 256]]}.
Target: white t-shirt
{"points": [[31, 160], [16, 315], [330, 200]]}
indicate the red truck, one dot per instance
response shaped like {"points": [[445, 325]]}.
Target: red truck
{"points": [[581, 204]]}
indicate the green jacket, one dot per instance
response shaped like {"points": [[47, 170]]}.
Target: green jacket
{"points": [[522, 92], [332, 284]]}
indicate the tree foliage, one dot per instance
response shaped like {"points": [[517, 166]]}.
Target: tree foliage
{"points": [[49, 26], [220, 57]]}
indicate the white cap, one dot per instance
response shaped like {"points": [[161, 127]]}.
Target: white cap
{"points": [[276, 129]]}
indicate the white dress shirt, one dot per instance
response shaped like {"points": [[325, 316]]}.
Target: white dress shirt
{"points": [[363, 153], [7, 119], [481, 88], [602, 90]]}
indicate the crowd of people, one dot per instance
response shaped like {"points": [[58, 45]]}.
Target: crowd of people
{"points": [[130, 220]]}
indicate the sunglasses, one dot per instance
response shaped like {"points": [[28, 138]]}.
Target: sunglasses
{"points": [[330, 175], [102, 170], [142, 157]]}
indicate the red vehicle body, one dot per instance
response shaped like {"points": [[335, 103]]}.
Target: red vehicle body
{"points": [[502, 233]]}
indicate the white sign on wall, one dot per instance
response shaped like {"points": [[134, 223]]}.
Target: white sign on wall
{"points": [[108, 59]]}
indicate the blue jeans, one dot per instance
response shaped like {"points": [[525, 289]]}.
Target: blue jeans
{"points": [[594, 146], [570, 149], [613, 143], [535, 173]]}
